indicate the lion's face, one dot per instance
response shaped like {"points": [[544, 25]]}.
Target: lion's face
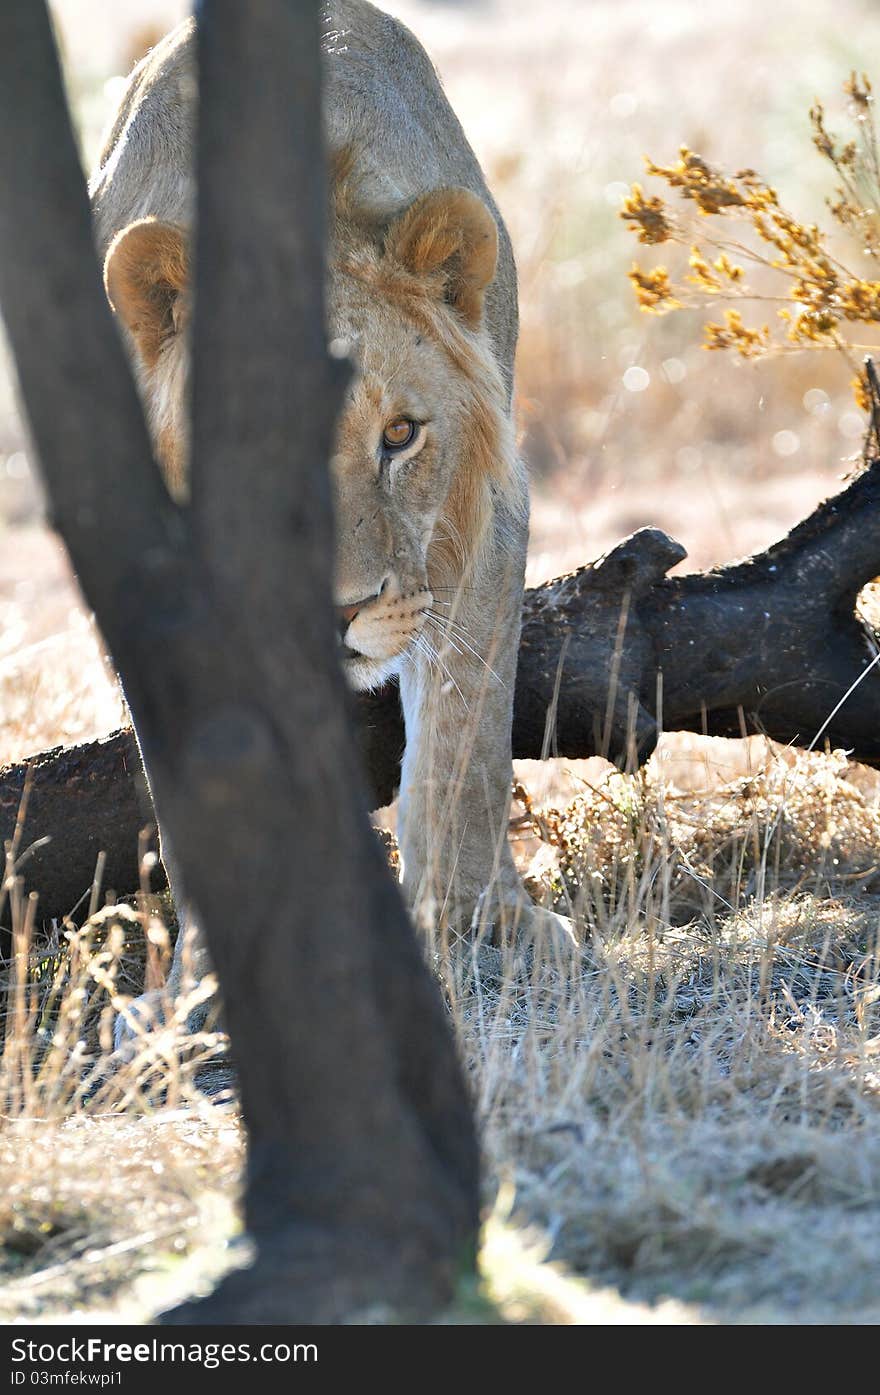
{"points": [[419, 440], [398, 444]]}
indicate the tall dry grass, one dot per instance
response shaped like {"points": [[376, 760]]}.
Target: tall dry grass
{"points": [[680, 1105]]}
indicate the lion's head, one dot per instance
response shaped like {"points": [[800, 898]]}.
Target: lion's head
{"points": [[424, 450]]}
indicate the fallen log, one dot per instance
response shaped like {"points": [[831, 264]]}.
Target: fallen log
{"points": [[611, 654], [63, 807]]}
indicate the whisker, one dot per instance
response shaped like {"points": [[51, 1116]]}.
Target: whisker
{"points": [[425, 646], [447, 638], [446, 621], [451, 680], [450, 622]]}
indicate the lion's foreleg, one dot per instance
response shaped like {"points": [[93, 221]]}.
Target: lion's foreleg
{"points": [[457, 690]]}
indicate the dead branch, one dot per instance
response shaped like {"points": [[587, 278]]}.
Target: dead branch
{"points": [[772, 644]]}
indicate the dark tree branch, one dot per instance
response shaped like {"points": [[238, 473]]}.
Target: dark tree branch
{"points": [[772, 644], [363, 1183]]}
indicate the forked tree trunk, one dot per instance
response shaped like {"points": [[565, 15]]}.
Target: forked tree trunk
{"points": [[362, 1181]]}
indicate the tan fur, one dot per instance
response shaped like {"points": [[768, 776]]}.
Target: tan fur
{"points": [[146, 276], [144, 273], [449, 238], [421, 293], [441, 254]]}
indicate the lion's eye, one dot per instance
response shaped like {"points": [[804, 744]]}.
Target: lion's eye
{"points": [[398, 433]]}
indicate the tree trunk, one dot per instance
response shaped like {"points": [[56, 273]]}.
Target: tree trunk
{"points": [[362, 1182]]}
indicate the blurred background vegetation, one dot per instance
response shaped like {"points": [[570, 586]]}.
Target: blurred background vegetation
{"points": [[625, 419]]}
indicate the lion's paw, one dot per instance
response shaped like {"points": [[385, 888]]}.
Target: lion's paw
{"points": [[538, 922], [522, 920], [160, 1008], [141, 1015]]}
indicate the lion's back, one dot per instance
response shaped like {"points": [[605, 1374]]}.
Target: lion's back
{"points": [[382, 101], [145, 165]]}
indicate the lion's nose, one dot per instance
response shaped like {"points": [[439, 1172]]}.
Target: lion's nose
{"points": [[347, 613]]}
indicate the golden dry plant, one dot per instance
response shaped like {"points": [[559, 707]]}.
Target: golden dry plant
{"points": [[746, 247]]}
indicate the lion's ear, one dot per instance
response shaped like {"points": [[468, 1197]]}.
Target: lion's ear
{"points": [[449, 236], [145, 275]]}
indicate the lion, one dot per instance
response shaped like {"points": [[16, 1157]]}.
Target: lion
{"points": [[431, 497]]}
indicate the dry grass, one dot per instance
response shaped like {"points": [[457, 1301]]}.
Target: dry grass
{"points": [[688, 1101], [683, 1108], [110, 1219]]}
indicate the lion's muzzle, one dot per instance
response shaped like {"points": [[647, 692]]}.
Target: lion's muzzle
{"points": [[381, 627]]}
